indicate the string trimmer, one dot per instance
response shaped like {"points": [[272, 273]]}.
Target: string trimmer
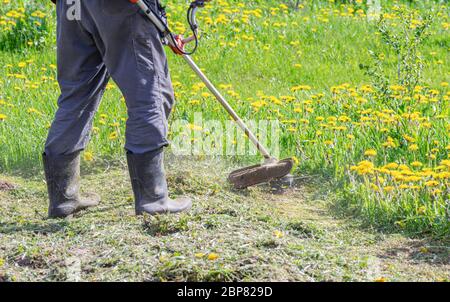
{"points": [[272, 168]]}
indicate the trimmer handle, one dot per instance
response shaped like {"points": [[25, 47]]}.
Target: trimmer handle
{"points": [[176, 42]]}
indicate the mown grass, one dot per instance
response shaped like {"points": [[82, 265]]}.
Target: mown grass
{"points": [[298, 66], [228, 235]]}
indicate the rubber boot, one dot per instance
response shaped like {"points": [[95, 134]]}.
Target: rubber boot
{"points": [[63, 182], [150, 186]]}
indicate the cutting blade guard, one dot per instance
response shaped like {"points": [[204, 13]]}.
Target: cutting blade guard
{"points": [[258, 174]]}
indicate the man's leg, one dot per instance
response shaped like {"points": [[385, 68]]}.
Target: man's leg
{"points": [[82, 77], [136, 60]]}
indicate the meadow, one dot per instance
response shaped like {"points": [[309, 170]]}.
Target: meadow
{"points": [[362, 101]]}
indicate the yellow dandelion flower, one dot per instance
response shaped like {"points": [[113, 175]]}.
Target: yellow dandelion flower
{"points": [[416, 164], [389, 189], [424, 250], [391, 166], [370, 153], [213, 256], [413, 147], [421, 210], [278, 234], [113, 135], [446, 163], [432, 183], [88, 156]]}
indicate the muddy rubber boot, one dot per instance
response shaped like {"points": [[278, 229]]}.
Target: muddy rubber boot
{"points": [[63, 182], [150, 186]]}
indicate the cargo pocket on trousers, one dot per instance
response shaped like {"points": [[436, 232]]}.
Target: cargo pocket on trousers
{"points": [[163, 110], [149, 97], [143, 52]]}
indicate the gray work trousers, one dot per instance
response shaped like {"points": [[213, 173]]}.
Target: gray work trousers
{"points": [[112, 38]]}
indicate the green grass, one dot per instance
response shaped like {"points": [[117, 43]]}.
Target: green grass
{"points": [[328, 45]]}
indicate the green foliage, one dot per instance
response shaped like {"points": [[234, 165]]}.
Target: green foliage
{"points": [[23, 28], [404, 38]]}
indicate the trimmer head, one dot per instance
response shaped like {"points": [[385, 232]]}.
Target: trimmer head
{"points": [[250, 176]]}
